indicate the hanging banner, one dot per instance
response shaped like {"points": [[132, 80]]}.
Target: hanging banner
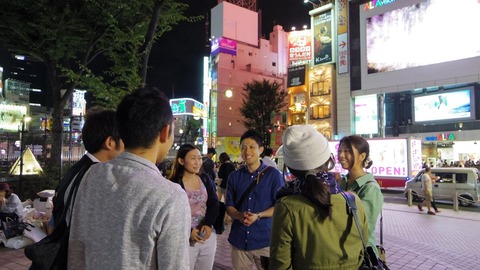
{"points": [[342, 38], [322, 37]]}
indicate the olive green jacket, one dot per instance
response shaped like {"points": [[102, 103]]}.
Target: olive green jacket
{"points": [[301, 240]]}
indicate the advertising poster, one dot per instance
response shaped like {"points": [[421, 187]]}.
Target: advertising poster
{"points": [[296, 76], [322, 38], [11, 116], [389, 157], [224, 45], [79, 104], [442, 106], [366, 114], [299, 45]]}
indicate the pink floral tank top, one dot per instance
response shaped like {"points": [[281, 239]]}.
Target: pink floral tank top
{"points": [[198, 204]]}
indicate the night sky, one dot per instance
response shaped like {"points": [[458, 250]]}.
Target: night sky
{"points": [[176, 60]]}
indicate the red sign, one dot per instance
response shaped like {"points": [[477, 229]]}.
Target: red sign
{"points": [[299, 45]]}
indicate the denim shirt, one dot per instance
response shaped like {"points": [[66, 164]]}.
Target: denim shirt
{"points": [[262, 197]]}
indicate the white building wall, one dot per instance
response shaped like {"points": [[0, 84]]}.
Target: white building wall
{"points": [[345, 112], [234, 22]]}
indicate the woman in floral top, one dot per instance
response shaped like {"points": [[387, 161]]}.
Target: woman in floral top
{"points": [[203, 205]]}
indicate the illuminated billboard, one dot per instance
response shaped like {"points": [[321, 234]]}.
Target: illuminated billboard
{"points": [[444, 106], [11, 116], [416, 41], [79, 104], [322, 35], [299, 45], [366, 114], [223, 45], [187, 106]]}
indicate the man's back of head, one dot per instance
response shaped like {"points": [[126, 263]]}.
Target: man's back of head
{"points": [[142, 117], [100, 135]]}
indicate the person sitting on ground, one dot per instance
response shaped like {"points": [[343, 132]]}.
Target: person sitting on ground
{"points": [[10, 204], [311, 228]]}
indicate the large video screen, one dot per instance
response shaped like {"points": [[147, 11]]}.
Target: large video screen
{"points": [[444, 106], [413, 41]]}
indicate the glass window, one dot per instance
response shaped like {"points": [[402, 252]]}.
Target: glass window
{"points": [[461, 178], [445, 177]]}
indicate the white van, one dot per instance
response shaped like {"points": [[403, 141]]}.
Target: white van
{"points": [[465, 181]]}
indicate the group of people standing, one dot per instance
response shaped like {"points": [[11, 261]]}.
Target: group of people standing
{"points": [[127, 215], [302, 224]]}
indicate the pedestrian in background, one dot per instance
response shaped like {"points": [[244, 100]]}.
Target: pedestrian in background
{"points": [[203, 204], [250, 201], [267, 158], [126, 214], [354, 156], [226, 167], [310, 228], [427, 191], [208, 165]]}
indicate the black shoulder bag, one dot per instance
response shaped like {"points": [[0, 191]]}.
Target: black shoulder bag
{"points": [[370, 260], [51, 252]]}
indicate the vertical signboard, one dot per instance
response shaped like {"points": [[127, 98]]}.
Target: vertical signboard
{"points": [[296, 76], [342, 38], [299, 45], [322, 35]]}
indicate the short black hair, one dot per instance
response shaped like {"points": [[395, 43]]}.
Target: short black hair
{"points": [[99, 125], [141, 115], [211, 150], [268, 152], [254, 135]]}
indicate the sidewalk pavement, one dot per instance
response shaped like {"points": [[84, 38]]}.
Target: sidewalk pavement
{"points": [[412, 239]]}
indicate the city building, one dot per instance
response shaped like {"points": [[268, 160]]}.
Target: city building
{"points": [[239, 55]]}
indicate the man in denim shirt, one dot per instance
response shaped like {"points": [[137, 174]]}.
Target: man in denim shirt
{"points": [[250, 232]]}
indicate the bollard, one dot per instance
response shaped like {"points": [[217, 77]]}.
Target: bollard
{"points": [[455, 202], [409, 197]]}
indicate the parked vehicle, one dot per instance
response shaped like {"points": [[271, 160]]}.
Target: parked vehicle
{"points": [[464, 181]]}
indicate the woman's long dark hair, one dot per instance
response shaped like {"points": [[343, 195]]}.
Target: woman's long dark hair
{"points": [[315, 191], [178, 169]]}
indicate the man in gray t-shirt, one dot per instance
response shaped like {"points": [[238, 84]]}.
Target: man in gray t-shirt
{"points": [[126, 214]]}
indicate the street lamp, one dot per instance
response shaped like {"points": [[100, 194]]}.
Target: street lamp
{"points": [[313, 4], [25, 120]]}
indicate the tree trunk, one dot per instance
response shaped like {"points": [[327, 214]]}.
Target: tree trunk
{"points": [[149, 37], [57, 139]]}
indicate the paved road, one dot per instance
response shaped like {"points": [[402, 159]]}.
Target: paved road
{"points": [[412, 239]]}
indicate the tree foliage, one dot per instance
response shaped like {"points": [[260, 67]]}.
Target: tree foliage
{"points": [[261, 100], [100, 46]]}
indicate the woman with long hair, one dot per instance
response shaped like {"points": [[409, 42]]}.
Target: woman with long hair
{"points": [[354, 156], [311, 228], [203, 201]]}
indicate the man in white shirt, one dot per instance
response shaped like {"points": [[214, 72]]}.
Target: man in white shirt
{"points": [[267, 158]]}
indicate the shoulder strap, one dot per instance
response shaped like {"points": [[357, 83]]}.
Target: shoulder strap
{"points": [[251, 186], [352, 209]]}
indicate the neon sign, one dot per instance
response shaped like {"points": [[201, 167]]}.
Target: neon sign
{"points": [[377, 3]]}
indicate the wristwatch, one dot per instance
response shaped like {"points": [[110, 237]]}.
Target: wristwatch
{"points": [[258, 216]]}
